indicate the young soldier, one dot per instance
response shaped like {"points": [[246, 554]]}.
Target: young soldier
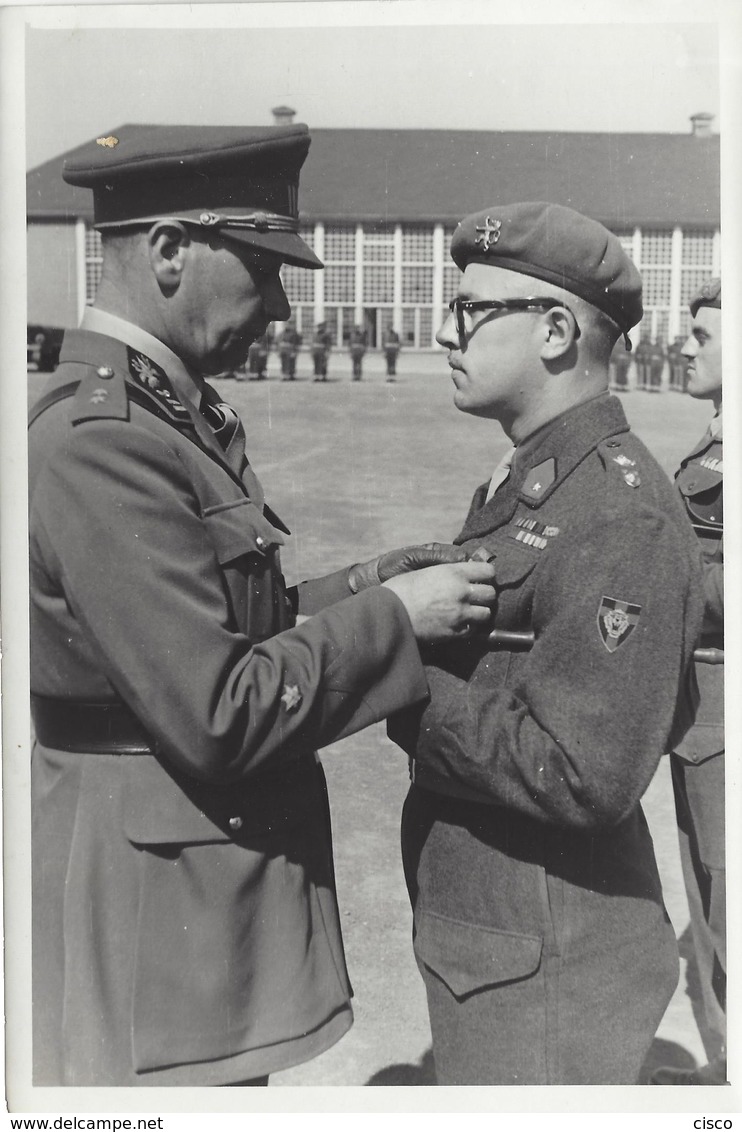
{"points": [[540, 930]]}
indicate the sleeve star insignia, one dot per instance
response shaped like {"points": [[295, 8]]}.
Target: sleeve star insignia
{"points": [[291, 697]]}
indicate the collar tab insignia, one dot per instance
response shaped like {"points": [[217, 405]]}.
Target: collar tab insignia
{"points": [[155, 381]]}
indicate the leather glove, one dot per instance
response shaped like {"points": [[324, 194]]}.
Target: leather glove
{"points": [[394, 562]]}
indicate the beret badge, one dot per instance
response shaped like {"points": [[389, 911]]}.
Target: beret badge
{"points": [[490, 233]]}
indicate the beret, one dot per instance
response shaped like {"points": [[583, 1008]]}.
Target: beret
{"points": [[708, 296], [560, 246], [242, 181]]}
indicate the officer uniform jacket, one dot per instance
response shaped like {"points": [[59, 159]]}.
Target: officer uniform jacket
{"points": [[700, 484], [526, 851], [186, 928]]}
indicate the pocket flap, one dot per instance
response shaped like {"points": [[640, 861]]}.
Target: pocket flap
{"points": [[695, 479], [167, 808], [468, 957], [238, 528]]}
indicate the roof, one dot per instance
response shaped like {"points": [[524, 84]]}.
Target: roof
{"points": [[654, 180]]}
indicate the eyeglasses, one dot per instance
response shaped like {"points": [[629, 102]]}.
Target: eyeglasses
{"points": [[459, 306]]}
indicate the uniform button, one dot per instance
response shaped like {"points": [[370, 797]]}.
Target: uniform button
{"points": [[104, 371], [613, 444], [235, 823]]}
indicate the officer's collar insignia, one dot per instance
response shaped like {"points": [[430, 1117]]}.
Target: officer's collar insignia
{"points": [[624, 461], [616, 621], [98, 396], [539, 478], [490, 234], [155, 381]]}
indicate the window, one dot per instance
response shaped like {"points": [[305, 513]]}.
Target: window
{"points": [[340, 244], [417, 245], [656, 249], [698, 249], [339, 284], [93, 264], [378, 284], [417, 284], [656, 286]]}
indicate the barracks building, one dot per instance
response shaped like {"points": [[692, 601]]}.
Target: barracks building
{"points": [[379, 208]]}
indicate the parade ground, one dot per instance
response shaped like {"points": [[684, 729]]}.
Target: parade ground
{"points": [[354, 468]]}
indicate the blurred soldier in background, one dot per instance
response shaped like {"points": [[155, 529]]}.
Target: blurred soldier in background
{"points": [[678, 376], [539, 924], [620, 363], [357, 345], [656, 367], [321, 345], [257, 357], [698, 761], [391, 347], [185, 928], [642, 356], [288, 348]]}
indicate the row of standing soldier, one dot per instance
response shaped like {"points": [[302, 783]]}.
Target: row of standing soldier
{"points": [[289, 343], [651, 366]]}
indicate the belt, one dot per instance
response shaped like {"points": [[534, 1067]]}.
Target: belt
{"points": [[89, 728]]}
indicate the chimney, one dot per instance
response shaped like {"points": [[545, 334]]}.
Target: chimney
{"points": [[701, 125], [283, 115]]}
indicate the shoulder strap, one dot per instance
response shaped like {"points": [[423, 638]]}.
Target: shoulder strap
{"points": [[71, 387], [50, 399]]}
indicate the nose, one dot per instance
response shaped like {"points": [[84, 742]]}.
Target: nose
{"points": [[447, 334], [276, 305], [690, 347]]}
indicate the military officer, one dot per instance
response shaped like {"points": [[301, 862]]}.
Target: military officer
{"points": [[698, 760], [185, 923], [539, 924]]}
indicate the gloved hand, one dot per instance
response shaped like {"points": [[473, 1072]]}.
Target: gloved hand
{"points": [[394, 562]]}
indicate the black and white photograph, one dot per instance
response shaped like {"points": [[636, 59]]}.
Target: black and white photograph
{"points": [[363, 559]]}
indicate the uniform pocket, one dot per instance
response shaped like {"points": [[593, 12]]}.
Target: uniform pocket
{"points": [[469, 957], [239, 527]]}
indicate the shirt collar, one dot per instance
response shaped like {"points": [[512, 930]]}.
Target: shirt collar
{"points": [[715, 427], [188, 387]]}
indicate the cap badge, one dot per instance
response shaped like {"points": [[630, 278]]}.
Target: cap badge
{"points": [[616, 621], [209, 219], [490, 233], [108, 142]]}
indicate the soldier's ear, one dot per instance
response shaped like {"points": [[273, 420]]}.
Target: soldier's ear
{"points": [[559, 329], [167, 245]]}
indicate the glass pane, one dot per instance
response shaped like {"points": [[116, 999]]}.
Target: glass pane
{"points": [[417, 245], [417, 284], [298, 283], [340, 284], [656, 248], [340, 243], [378, 284]]}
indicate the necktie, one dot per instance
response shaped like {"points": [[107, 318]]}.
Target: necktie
{"points": [[500, 474], [230, 434]]}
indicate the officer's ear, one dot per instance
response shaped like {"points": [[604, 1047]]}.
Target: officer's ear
{"points": [[560, 332], [167, 244]]}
